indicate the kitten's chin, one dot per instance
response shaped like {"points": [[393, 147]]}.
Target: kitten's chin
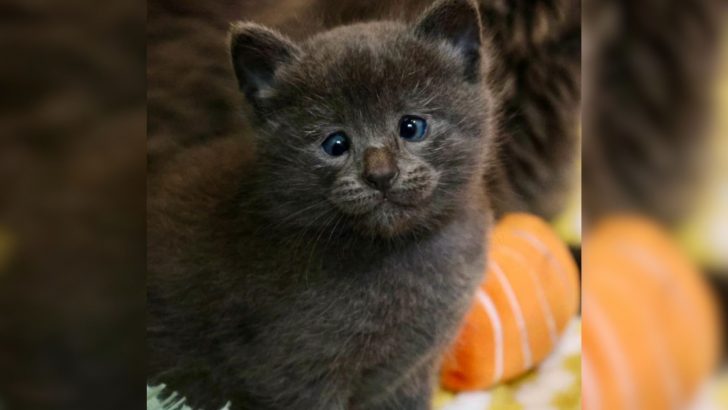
{"points": [[389, 219], [387, 216]]}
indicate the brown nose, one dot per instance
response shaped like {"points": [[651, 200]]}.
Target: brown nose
{"points": [[380, 168]]}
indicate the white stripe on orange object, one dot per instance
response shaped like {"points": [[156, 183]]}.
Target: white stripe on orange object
{"points": [[495, 321], [517, 312], [546, 253], [619, 365], [592, 397], [542, 300]]}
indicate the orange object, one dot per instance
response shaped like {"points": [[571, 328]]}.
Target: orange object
{"points": [[530, 292], [650, 331]]}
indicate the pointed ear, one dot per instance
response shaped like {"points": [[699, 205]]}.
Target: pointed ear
{"points": [[256, 54], [458, 23]]}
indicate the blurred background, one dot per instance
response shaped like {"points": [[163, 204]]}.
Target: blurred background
{"points": [[654, 267], [72, 204]]}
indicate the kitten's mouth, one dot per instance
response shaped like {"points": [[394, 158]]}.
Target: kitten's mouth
{"points": [[386, 213], [389, 200], [390, 215], [395, 200], [382, 201]]}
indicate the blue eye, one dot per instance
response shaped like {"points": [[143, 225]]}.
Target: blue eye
{"points": [[412, 128], [336, 144]]}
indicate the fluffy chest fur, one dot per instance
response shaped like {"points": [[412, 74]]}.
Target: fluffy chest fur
{"points": [[329, 267], [240, 309]]}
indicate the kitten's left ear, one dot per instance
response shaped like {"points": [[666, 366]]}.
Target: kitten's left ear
{"points": [[257, 52], [458, 23]]}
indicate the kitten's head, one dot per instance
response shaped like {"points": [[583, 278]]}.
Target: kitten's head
{"points": [[375, 126]]}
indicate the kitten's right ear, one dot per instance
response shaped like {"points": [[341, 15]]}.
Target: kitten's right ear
{"points": [[256, 54], [458, 23]]}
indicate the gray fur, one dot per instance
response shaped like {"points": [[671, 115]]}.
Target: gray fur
{"points": [[278, 279]]}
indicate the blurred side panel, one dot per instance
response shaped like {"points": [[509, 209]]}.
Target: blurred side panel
{"points": [[72, 198], [654, 186]]}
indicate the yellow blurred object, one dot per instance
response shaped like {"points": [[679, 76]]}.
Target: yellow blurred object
{"points": [[441, 398], [568, 224], [705, 235]]}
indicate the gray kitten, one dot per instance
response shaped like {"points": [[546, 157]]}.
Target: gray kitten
{"points": [[331, 266]]}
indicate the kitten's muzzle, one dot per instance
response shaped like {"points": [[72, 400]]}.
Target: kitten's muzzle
{"points": [[380, 168]]}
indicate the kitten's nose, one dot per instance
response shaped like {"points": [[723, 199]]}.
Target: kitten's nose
{"points": [[380, 168]]}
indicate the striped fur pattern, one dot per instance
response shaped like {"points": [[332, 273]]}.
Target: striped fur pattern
{"points": [[537, 79]]}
